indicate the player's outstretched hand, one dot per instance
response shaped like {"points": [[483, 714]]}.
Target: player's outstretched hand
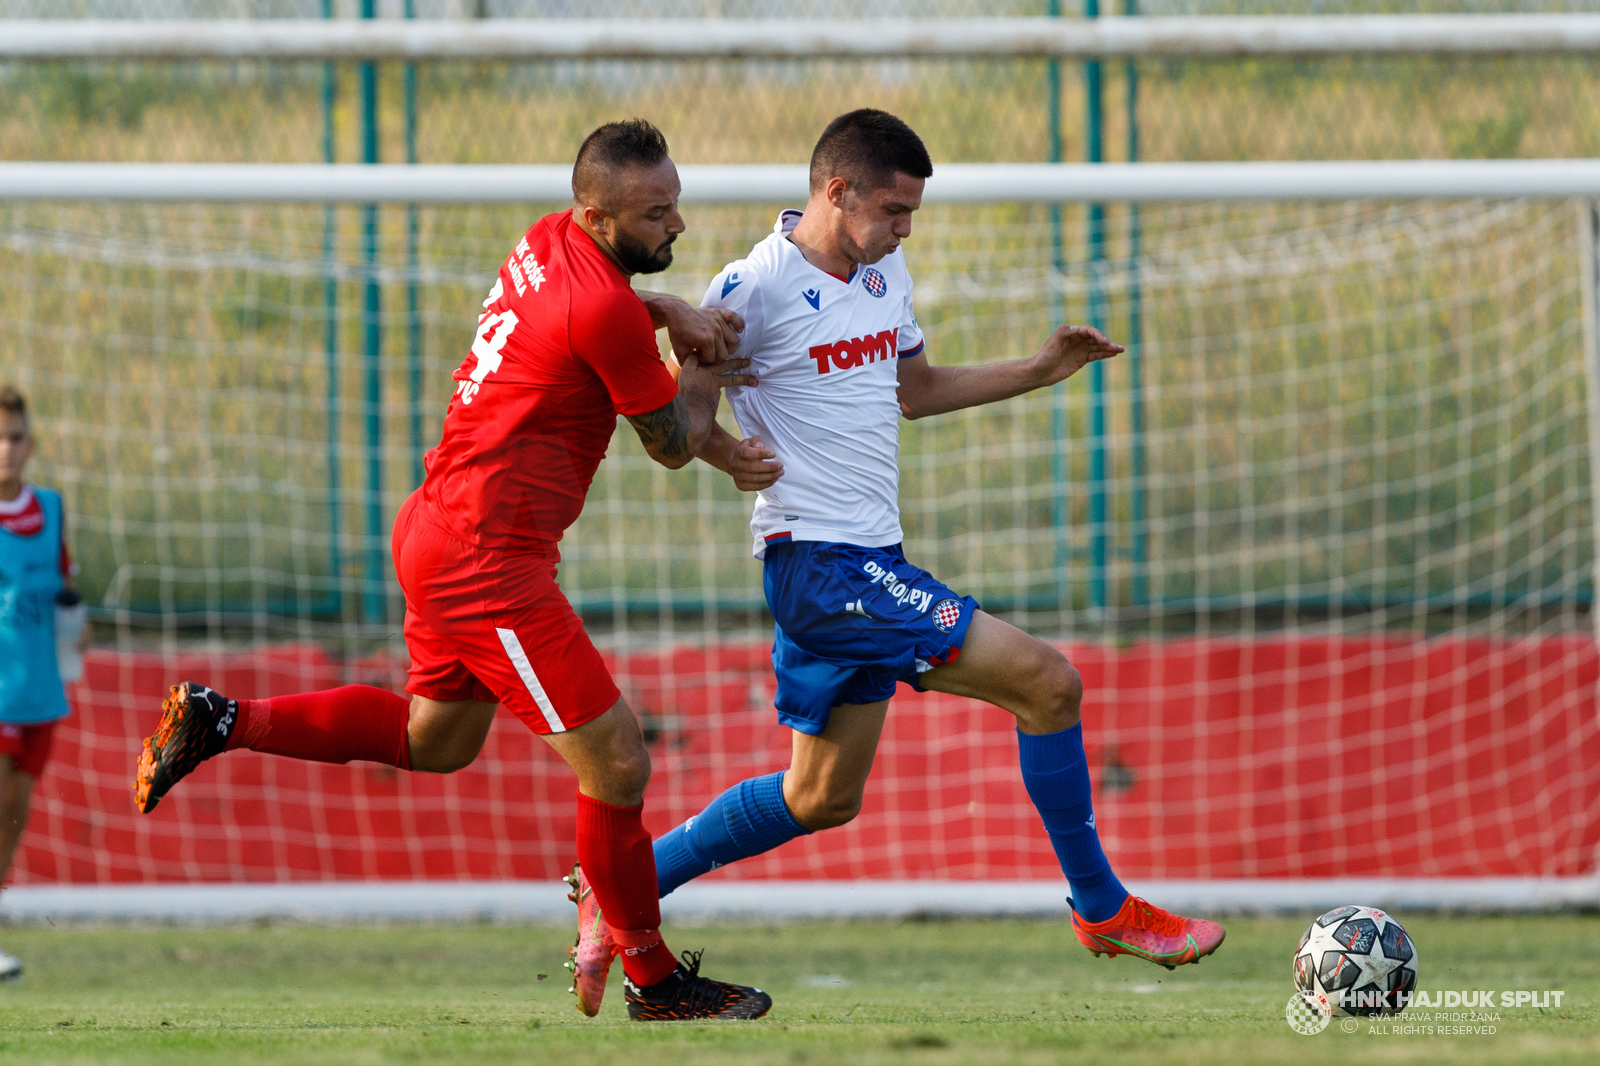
{"points": [[1070, 349], [753, 465]]}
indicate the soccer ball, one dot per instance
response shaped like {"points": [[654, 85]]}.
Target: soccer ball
{"points": [[1360, 958]]}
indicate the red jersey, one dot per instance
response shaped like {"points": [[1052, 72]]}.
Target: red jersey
{"points": [[563, 347]]}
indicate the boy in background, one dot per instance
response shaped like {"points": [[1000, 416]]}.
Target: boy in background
{"points": [[34, 570]]}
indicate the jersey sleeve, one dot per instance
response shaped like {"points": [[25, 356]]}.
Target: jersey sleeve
{"points": [[738, 289], [909, 340], [613, 334]]}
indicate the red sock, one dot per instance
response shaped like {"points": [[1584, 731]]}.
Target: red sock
{"points": [[334, 725], [619, 861]]}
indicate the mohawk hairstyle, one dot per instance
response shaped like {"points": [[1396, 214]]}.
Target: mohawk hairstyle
{"points": [[631, 143], [867, 148], [11, 401]]}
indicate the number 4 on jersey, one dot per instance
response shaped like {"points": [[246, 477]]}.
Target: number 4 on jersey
{"points": [[493, 332]]}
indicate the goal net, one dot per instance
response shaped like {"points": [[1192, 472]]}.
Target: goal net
{"points": [[1320, 542]]}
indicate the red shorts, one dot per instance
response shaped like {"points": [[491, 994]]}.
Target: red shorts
{"points": [[28, 745], [490, 625]]}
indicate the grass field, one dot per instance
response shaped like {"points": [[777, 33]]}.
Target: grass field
{"points": [[861, 993]]}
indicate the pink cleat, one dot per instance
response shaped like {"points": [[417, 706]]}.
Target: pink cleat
{"points": [[1143, 929], [592, 954]]}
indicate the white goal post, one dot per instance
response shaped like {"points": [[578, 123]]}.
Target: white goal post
{"points": [[731, 184], [1577, 180], [1000, 38]]}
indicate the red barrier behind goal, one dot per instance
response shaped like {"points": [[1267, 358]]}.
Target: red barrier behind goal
{"points": [[1214, 758]]}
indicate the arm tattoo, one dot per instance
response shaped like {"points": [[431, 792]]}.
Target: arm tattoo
{"points": [[664, 431]]}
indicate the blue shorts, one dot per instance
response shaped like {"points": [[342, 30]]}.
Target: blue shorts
{"points": [[852, 621]]}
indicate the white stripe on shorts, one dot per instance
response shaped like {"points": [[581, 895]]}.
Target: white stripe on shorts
{"points": [[519, 659]]}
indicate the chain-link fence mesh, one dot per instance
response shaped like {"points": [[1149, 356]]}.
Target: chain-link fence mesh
{"points": [[1347, 407]]}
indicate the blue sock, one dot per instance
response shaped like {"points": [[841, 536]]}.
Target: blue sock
{"points": [[746, 820], [1056, 773]]}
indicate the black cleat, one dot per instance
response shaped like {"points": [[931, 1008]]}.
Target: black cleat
{"points": [[195, 724], [686, 995]]}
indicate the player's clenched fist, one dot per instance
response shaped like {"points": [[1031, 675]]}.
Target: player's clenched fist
{"points": [[708, 332]]}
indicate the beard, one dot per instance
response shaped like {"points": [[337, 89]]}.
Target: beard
{"points": [[636, 257]]}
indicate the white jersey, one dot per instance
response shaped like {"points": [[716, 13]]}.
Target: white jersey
{"points": [[826, 352]]}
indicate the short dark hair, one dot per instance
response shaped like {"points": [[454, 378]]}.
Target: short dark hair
{"points": [[867, 148], [631, 143], [11, 401]]}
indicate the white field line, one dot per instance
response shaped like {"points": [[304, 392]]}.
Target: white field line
{"points": [[537, 901]]}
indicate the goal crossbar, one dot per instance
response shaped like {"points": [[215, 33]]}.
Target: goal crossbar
{"points": [[531, 39], [951, 183]]}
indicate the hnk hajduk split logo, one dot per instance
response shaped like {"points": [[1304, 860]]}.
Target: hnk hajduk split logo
{"points": [[1308, 1013], [1472, 1012]]}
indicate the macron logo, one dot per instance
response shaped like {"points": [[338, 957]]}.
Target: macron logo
{"points": [[814, 298], [845, 355], [730, 283]]}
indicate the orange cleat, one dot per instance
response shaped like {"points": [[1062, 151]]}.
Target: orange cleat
{"points": [[1143, 929], [195, 724], [592, 954]]}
